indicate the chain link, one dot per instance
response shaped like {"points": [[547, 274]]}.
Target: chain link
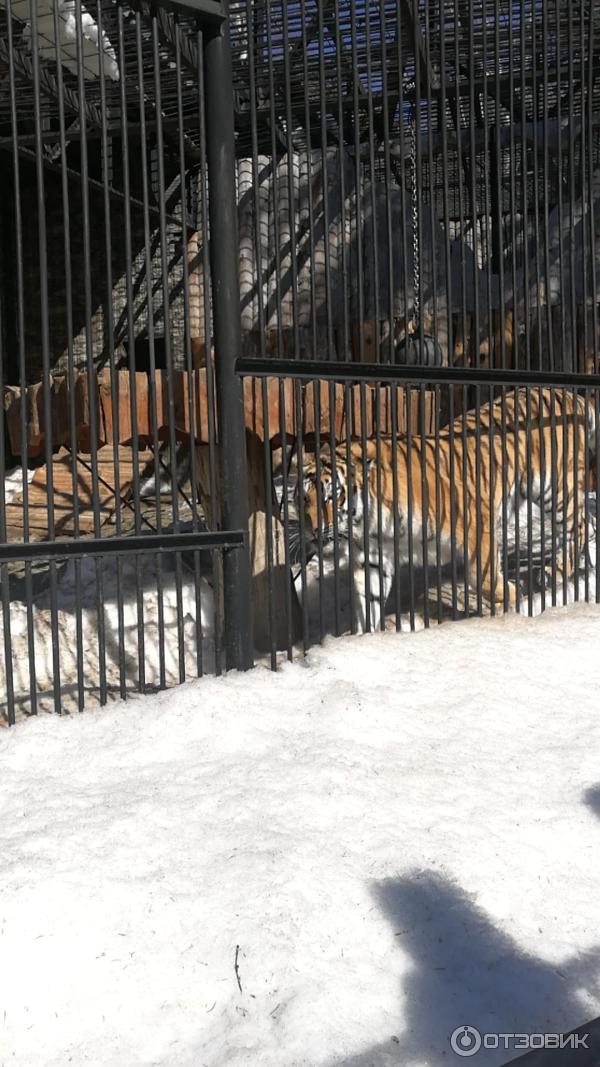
{"points": [[415, 217]]}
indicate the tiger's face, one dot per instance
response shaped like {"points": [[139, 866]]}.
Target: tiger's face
{"points": [[331, 500]]}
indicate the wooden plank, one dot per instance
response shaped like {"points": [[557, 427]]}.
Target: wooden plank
{"points": [[278, 418], [63, 501]]}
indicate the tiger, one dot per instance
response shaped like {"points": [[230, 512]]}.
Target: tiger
{"points": [[459, 492]]}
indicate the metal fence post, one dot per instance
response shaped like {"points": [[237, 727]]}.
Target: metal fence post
{"points": [[224, 262]]}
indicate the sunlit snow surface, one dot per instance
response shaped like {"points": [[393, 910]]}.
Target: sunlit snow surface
{"points": [[399, 836]]}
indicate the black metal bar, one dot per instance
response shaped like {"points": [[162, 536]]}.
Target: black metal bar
{"points": [[367, 372], [93, 398], [130, 333], [203, 213], [149, 248], [129, 546], [20, 324], [179, 44], [164, 262], [70, 362], [226, 308], [45, 345]]}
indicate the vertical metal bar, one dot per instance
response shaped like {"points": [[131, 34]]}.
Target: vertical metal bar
{"points": [[577, 503], [559, 8], [290, 181], [192, 393], [261, 334], [164, 259], [423, 449], [524, 176], [466, 522], [437, 460], [434, 251], [461, 178], [417, 176], [513, 190], [443, 104], [542, 424], [504, 474], [358, 215], [529, 463], [391, 390], [572, 188], [582, 340], [410, 504], [309, 198], [70, 365], [324, 165], [226, 304], [473, 184], [299, 438], [453, 499], [344, 223], [286, 519], [46, 355], [477, 240], [4, 571], [316, 391], [374, 285], [546, 173], [554, 489], [18, 223], [275, 154], [109, 341], [564, 439], [536, 189], [127, 241], [93, 398], [345, 266], [594, 278], [488, 177], [217, 559], [150, 247]]}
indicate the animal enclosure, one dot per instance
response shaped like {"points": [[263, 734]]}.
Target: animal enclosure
{"points": [[298, 328]]}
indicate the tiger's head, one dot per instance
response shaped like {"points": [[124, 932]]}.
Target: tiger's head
{"points": [[331, 493]]}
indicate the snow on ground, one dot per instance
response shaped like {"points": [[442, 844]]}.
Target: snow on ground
{"points": [[177, 627], [398, 836], [13, 484], [159, 614]]}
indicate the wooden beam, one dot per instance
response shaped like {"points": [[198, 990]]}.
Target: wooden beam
{"points": [[322, 417]]}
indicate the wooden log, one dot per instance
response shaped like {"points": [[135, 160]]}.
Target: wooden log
{"points": [[271, 585], [312, 408], [263, 538]]}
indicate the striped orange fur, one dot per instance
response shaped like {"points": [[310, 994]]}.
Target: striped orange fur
{"points": [[528, 447]]}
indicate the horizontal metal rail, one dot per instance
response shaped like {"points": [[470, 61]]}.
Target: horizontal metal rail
{"points": [[384, 372], [105, 546]]}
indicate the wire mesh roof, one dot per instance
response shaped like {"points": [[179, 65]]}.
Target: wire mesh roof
{"points": [[149, 61], [309, 73]]}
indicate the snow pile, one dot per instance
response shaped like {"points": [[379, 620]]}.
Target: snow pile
{"points": [[38, 620], [333, 865], [13, 484]]}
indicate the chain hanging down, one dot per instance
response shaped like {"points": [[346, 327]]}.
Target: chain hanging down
{"points": [[414, 349]]}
